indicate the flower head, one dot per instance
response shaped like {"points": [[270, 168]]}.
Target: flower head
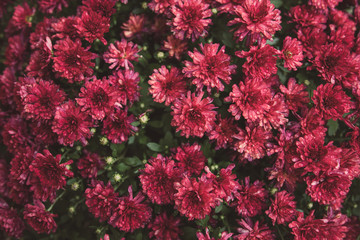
{"points": [[250, 231], [282, 209], [39, 219], [190, 158], [126, 83], [51, 6], [10, 222], [296, 96], [89, 164], [165, 227], [121, 53], [292, 53], [223, 132], [175, 46]]}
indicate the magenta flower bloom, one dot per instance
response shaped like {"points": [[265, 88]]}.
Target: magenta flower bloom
{"points": [[175, 47], [104, 7], [209, 68], [250, 231], [324, 4], [126, 83], [167, 86], [191, 19], [71, 124], [292, 53], [190, 158], [89, 164], [195, 199], [120, 54], [39, 219], [165, 227], [10, 222], [51, 6], [193, 115], [296, 96], [283, 208]]}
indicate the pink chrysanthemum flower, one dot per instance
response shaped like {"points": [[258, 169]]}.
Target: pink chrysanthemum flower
{"points": [[175, 46], [257, 19], [72, 61], [131, 213], [89, 164], [126, 83], [228, 6], [223, 236], [324, 4], [92, 25], [308, 17], [310, 228], [223, 132], [65, 27], [51, 6], [39, 219], [120, 54], [42, 129], [191, 19], [15, 51], [331, 101], [98, 98], [292, 53], [192, 115], [71, 124], [104, 7], [195, 199], [316, 157], [282, 209], [20, 165], [225, 184], [21, 18], [190, 158], [350, 162], [312, 40], [49, 170], [101, 200], [166, 86], [39, 64], [250, 231], [42, 30], [158, 179], [160, 6], [135, 27], [117, 126], [165, 227], [209, 68], [251, 198], [296, 96], [7, 84], [252, 142], [260, 61], [10, 222], [15, 134], [328, 188], [40, 99]]}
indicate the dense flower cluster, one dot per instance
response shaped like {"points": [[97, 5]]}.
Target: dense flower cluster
{"points": [[180, 119]]}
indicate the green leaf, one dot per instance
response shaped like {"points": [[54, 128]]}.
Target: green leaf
{"points": [[155, 147], [277, 3], [122, 167], [133, 161], [219, 208], [332, 127], [71, 181], [117, 149]]}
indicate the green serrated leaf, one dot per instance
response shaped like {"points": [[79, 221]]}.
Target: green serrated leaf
{"points": [[155, 147]]}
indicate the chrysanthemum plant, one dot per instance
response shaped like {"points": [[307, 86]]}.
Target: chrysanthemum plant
{"points": [[180, 119]]}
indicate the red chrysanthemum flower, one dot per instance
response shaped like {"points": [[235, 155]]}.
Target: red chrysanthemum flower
{"points": [[316, 157], [15, 51], [313, 124], [292, 53], [7, 85], [176, 47], [166, 86], [225, 184], [350, 163], [282, 209], [10, 222], [296, 96], [209, 68], [101, 200], [51, 6], [192, 115], [98, 98], [104, 7], [39, 64], [228, 6], [65, 27], [20, 165], [42, 129], [158, 179], [20, 193], [310, 228], [121, 54], [89, 164], [353, 225], [39, 219], [261, 61], [250, 231], [49, 170], [135, 27], [257, 19], [42, 30], [331, 101], [15, 134], [126, 84], [72, 61], [160, 6], [4, 178], [251, 198], [92, 25], [21, 18], [324, 4], [165, 227], [117, 126], [195, 199], [40, 99], [328, 188], [190, 158], [130, 213], [308, 17], [223, 132], [191, 19], [71, 124], [252, 142], [223, 236], [312, 40]]}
